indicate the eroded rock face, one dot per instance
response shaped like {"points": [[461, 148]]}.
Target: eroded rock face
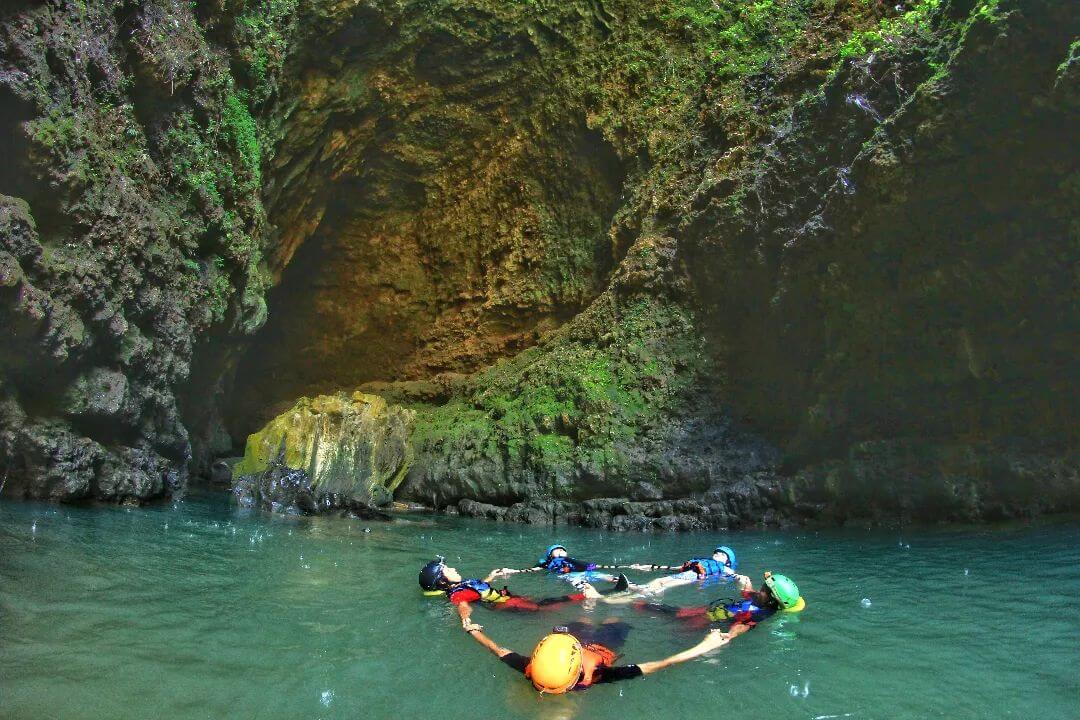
{"points": [[440, 203], [631, 264], [327, 453], [895, 268], [931, 479], [131, 227]]}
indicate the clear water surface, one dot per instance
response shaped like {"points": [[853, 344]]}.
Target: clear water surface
{"points": [[198, 610]]}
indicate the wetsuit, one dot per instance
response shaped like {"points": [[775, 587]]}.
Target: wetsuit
{"points": [[742, 611], [597, 655], [472, 590]]}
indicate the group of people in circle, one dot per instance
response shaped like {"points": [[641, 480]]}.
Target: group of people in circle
{"points": [[580, 655]]}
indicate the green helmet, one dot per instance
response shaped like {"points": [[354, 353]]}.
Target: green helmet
{"points": [[783, 589]]}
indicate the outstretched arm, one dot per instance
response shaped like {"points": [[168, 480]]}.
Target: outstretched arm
{"points": [[464, 611], [477, 634], [503, 572], [713, 640]]}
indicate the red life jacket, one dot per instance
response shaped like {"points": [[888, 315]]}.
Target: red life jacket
{"points": [[594, 658]]}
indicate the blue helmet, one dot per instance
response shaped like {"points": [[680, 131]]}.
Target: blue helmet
{"points": [[732, 562], [547, 553], [431, 575]]}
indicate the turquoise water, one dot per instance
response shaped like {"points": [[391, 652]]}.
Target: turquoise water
{"points": [[197, 610]]}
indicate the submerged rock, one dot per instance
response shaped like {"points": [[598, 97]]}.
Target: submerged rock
{"points": [[327, 453]]}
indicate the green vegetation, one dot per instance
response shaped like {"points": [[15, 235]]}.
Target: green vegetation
{"points": [[567, 404], [239, 128], [200, 168], [891, 30], [263, 33]]}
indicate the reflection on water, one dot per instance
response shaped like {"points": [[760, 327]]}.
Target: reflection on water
{"points": [[197, 610]]}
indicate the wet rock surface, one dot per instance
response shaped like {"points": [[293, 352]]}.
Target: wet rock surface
{"points": [[328, 453], [287, 491], [754, 502]]}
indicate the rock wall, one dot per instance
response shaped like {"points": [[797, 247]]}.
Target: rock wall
{"points": [[439, 208], [896, 266], [347, 451], [132, 231], [625, 263]]}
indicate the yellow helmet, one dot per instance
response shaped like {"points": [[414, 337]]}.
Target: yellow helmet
{"points": [[555, 666]]}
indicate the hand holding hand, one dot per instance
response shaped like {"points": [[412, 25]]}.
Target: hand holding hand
{"points": [[468, 625]]}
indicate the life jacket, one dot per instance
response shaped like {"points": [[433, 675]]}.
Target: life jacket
{"points": [[558, 565], [705, 567], [594, 657], [481, 588], [743, 611]]}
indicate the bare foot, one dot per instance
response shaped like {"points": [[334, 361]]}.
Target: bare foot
{"points": [[590, 592]]}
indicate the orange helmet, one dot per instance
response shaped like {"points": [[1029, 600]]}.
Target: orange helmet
{"points": [[555, 666]]}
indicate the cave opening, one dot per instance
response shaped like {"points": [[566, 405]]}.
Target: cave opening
{"points": [[398, 283], [427, 243]]}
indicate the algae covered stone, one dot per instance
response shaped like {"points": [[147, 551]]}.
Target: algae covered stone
{"points": [[349, 450]]}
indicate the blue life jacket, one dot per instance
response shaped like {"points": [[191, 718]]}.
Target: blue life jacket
{"points": [[558, 565], [705, 567]]}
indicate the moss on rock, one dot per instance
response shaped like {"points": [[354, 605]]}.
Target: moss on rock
{"points": [[355, 446]]}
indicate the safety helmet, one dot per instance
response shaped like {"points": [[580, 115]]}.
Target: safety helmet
{"points": [[551, 549], [783, 589], [732, 562], [431, 575], [555, 666]]}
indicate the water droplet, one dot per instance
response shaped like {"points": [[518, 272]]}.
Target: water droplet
{"points": [[326, 697], [966, 572], [865, 602], [863, 104]]}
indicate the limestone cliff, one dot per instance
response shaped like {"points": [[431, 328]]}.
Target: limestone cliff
{"points": [[628, 263]]}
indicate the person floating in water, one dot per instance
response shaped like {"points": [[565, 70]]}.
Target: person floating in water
{"points": [[719, 566], [437, 578], [575, 658], [557, 562], [778, 594]]}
